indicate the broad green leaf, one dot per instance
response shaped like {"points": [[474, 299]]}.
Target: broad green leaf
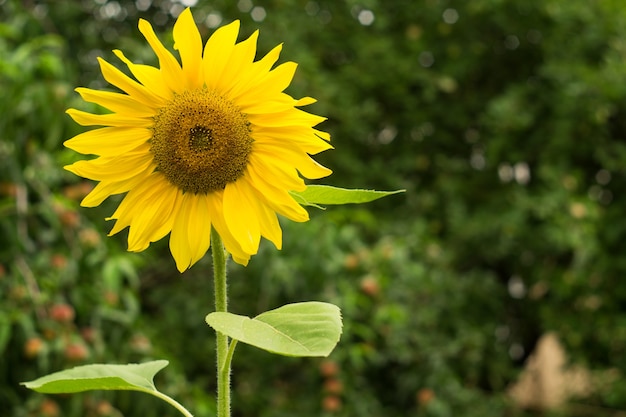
{"points": [[137, 377], [325, 194], [301, 329], [300, 200]]}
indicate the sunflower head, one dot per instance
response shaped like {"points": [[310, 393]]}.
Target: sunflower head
{"points": [[201, 141], [210, 141]]}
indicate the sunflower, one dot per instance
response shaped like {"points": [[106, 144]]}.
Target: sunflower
{"points": [[210, 142]]}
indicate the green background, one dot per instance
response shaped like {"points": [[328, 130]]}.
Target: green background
{"points": [[503, 120]]}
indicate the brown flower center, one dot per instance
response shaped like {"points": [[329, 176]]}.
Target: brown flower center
{"points": [[201, 141]]}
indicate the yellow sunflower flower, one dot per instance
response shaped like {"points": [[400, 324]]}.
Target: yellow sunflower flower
{"points": [[211, 142]]}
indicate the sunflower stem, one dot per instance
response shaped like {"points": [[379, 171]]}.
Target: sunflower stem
{"points": [[221, 304], [171, 401]]}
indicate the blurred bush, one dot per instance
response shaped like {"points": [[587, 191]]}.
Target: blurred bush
{"points": [[503, 119]]}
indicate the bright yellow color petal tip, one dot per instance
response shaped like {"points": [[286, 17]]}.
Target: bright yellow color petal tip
{"points": [[210, 141]]}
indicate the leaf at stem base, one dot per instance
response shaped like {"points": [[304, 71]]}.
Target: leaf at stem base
{"points": [[137, 377]]}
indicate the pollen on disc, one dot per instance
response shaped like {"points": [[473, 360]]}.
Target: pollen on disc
{"points": [[201, 141]]}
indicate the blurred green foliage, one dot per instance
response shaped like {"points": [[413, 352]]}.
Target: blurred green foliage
{"points": [[503, 119]]}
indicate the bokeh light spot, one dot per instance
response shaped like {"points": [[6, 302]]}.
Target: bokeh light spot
{"points": [[450, 16], [366, 17], [258, 14], [426, 59]]}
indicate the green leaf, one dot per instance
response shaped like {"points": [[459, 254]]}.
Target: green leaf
{"points": [[300, 200], [301, 329], [325, 194], [137, 377]]}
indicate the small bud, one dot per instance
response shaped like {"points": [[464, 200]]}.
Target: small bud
{"points": [[58, 261], [329, 368], [78, 191], [8, 189], [111, 298], [69, 218], [48, 333], [33, 347], [18, 293], [331, 403], [351, 261], [49, 408], [369, 285], [141, 344], [89, 334], [63, 313], [89, 237], [424, 396], [104, 408], [76, 352], [333, 386]]}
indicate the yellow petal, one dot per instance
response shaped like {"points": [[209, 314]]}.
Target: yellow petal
{"points": [[276, 198], [105, 189], [241, 260], [278, 103], [129, 86], [241, 218], [271, 85], [265, 64], [217, 52], [170, 68], [179, 240], [284, 175], [149, 76], [116, 168], [199, 228], [291, 117], [240, 59], [305, 101], [188, 42], [297, 138], [253, 74], [191, 234], [88, 119], [153, 210], [216, 208], [128, 207], [116, 102], [280, 77], [109, 141], [308, 167], [270, 228], [323, 135]]}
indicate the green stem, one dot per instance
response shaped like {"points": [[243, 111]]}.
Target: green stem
{"points": [[221, 304], [231, 352], [171, 401]]}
